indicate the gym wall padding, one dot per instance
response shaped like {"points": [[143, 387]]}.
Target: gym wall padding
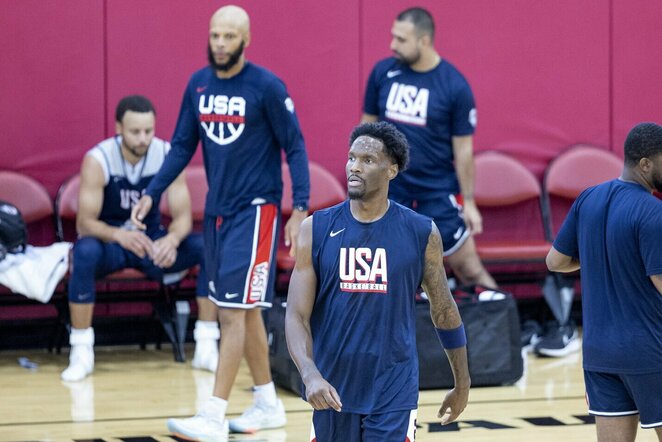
{"points": [[545, 74]]}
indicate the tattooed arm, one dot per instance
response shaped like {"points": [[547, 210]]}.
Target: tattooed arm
{"points": [[445, 315]]}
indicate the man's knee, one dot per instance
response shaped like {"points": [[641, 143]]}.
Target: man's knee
{"points": [[467, 266], [231, 317], [87, 252], [86, 256]]}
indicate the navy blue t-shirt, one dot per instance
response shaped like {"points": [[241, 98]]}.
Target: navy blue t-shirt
{"points": [[429, 108], [615, 230], [363, 322], [243, 123]]}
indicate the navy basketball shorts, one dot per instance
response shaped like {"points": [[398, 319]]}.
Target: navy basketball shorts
{"points": [[240, 256], [446, 211], [609, 394], [331, 426]]}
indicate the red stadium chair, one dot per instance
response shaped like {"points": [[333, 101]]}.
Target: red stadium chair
{"points": [[34, 203], [513, 245], [571, 173], [36, 207], [325, 191]]}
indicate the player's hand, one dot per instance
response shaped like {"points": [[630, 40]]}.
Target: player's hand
{"points": [[164, 252], [140, 211], [472, 217], [134, 241], [321, 395], [292, 229], [453, 405]]}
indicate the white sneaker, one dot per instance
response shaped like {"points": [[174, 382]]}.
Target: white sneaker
{"points": [[81, 363], [258, 418], [200, 427]]}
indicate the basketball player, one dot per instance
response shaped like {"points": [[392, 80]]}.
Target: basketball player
{"points": [[350, 319], [243, 116], [430, 102], [613, 233], [113, 176]]}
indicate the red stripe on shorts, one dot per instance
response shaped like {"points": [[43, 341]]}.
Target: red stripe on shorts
{"points": [[259, 273]]}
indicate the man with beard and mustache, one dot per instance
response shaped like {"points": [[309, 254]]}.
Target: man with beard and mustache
{"points": [[431, 102], [243, 116], [613, 232], [114, 175], [351, 316]]}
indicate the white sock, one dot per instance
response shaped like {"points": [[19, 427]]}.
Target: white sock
{"points": [[206, 331], [264, 396], [82, 336], [216, 407]]}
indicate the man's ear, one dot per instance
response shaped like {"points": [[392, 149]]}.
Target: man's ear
{"points": [[118, 127], [392, 171], [645, 164]]}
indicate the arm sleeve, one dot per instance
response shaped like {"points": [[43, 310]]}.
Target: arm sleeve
{"points": [[183, 145], [566, 240], [371, 99], [464, 111], [285, 125], [650, 243]]}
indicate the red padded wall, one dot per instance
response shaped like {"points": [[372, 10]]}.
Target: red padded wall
{"points": [[309, 45], [637, 88], [539, 70], [546, 75], [51, 86]]}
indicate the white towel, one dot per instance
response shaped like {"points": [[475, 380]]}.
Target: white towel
{"points": [[36, 272]]}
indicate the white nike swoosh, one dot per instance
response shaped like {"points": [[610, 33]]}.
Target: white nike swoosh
{"points": [[391, 74], [231, 295], [332, 234]]}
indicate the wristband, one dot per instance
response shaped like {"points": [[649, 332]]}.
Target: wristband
{"points": [[453, 338]]}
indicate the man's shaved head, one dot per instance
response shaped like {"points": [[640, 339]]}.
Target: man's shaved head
{"points": [[234, 15]]}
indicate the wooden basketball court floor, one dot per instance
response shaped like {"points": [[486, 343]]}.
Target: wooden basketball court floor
{"points": [[133, 392]]}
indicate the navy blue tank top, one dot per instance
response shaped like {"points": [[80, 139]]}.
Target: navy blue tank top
{"points": [[363, 321]]}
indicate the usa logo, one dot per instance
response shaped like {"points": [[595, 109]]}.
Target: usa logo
{"points": [[259, 282], [363, 271], [408, 104], [223, 118]]}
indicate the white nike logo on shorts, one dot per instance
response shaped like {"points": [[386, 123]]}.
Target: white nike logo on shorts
{"points": [[332, 234], [231, 295]]}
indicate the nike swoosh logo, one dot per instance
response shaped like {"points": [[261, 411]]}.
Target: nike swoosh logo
{"points": [[231, 295], [391, 74], [200, 89], [332, 234]]}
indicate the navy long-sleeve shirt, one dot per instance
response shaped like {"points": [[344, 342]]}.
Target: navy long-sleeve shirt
{"points": [[242, 122]]}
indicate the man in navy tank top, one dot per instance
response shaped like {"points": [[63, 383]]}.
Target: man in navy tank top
{"points": [[114, 175], [350, 321], [432, 104], [613, 234], [244, 118]]}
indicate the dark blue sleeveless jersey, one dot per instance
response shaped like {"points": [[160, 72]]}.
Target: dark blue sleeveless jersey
{"points": [[615, 230], [242, 123], [363, 321], [429, 108], [126, 183]]}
